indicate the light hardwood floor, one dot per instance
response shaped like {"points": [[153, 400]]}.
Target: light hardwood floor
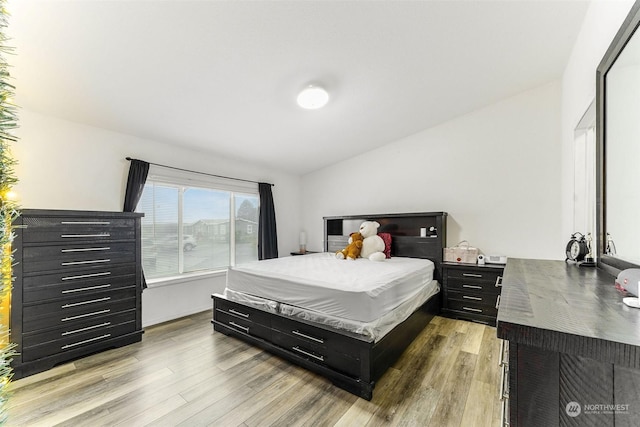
{"points": [[184, 373]]}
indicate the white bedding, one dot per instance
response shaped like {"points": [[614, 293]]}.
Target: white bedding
{"points": [[360, 290]]}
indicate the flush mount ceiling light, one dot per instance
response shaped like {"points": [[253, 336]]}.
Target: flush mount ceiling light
{"points": [[313, 97]]}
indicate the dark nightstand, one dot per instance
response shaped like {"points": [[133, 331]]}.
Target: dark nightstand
{"points": [[471, 291]]}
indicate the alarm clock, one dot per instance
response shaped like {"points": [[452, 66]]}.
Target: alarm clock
{"points": [[577, 248]]}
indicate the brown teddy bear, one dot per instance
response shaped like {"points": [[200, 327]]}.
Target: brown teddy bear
{"points": [[352, 251]]}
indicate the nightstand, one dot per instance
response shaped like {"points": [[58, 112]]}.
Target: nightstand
{"points": [[471, 291]]}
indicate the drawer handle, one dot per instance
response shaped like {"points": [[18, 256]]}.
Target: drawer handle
{"points": [[471, 275], [101, 337], [234, 324], [96, 261], [501, 358], [88, 288], [80, 316], [86, 276], [498, 302], [472, 286], [309, 337], [472, 298], [231, 310], [506, 383], [504, 389], [64, 251], [475, 310], [502, 374], [503, 413], [306, 353], [498, 281], [71, 236], [85, 222], [76, 304], [88, 328]]}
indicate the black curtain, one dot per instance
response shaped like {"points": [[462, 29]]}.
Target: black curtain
{"points": [[267, 236], [138, 171]]}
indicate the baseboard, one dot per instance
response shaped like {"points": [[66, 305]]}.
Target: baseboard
{"points": [[174, 316]]}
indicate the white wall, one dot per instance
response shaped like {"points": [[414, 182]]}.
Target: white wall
{"points": [[66, 165], [601, 23], [496, 171]]}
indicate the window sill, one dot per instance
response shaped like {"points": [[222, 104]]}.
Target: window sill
{"points": [[184, 278]]}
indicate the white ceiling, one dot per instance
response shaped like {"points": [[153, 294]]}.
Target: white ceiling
{"points": [[222, 76]]}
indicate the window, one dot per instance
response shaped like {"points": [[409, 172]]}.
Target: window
{"points": [[193, 226]]}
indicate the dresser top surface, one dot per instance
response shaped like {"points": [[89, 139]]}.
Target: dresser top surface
{"points": [[564, 298], [76, 213]]}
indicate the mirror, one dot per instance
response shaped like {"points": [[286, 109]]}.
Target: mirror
{"points": [[618, 132]]}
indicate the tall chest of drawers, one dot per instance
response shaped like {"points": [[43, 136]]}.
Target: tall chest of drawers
{"points": [[77, 287]]}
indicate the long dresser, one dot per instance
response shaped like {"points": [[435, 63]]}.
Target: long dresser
{"points": [[77, 286], [571, 355]]}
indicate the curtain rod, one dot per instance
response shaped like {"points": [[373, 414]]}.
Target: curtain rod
{"points": [[201, 173]]}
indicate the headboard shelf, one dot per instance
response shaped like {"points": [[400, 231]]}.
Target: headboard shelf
{"points": [[404, 229]]}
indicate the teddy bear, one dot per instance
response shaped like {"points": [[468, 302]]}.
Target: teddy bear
{"points": [[372, 245], [352, 251]]}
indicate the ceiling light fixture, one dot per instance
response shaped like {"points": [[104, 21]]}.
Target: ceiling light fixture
{"points": [[313, 97]]}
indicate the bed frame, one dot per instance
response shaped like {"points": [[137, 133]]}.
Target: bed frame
{"points": [[350, 361]]}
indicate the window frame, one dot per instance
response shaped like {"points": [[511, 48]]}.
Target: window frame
{"points": [[183, 180]]}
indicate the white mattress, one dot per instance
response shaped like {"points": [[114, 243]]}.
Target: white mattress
{"points": [[375, 329], [360, 290]]}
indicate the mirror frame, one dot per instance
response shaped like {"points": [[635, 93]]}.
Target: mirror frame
{"points": [[609, 263]]}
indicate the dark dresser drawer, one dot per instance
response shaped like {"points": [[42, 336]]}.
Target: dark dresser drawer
{"points": [[71, 284], [77, 229], [476, 300], [472, 307], [90, 325], [242, 324], [77, 256], [79, 340], [476, 276], [76, 311], [317, 353], [311, 335], [240, 311], [471, 287]]}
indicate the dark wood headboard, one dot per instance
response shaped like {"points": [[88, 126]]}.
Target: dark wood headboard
{"points": [[404, 229]]}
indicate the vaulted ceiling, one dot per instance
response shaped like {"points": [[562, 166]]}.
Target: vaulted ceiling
{"points": [[222, 76]]}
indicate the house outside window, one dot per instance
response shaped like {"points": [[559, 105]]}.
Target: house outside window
{"points": [[195, 225]]}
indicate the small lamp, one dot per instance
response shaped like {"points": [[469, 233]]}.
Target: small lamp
{"points": [[303, 242]]}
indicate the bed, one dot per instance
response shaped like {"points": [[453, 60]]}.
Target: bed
{"points": [[350, 329]]}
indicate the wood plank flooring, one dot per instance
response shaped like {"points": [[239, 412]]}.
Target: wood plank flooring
{"points": [[184, 373]]}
